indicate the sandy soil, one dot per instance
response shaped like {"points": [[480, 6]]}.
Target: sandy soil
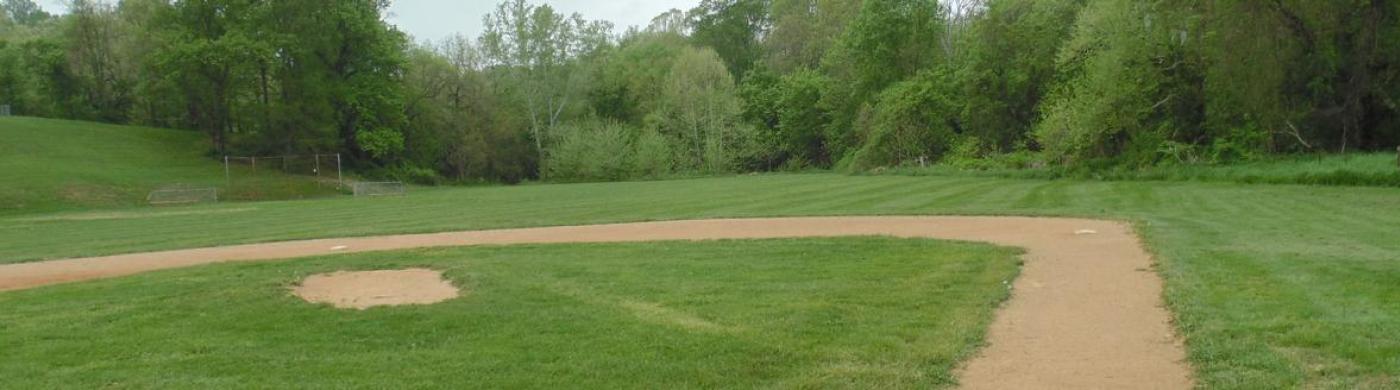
{"points": [[366, 289], [1086, 312]]}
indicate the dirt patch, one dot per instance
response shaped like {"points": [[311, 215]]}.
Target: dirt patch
{"points": [[366, 289], [1083, 314]]}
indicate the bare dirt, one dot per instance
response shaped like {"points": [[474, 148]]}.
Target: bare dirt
{"points": [[366, 289], [1086, 312]]}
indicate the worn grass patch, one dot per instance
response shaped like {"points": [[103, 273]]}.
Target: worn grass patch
{"points": [[848, 312]]}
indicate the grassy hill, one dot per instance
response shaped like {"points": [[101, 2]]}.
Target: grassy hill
{"points": [[50, 165]]}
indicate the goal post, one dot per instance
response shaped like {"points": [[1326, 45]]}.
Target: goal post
{"points": [[319, 166], [379, 188], [280, 177]]}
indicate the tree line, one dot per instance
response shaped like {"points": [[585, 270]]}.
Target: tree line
{"points": [[729, 86]]}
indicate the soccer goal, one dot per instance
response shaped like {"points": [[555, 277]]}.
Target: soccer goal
{"points": [[324, 167], [4, 110], [178, 195], [263, 178], [381, 188]]}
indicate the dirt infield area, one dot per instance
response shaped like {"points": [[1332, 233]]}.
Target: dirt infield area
{"points": [[1085, 312], [366, 289]]}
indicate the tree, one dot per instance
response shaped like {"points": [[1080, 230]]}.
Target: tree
{"points": [[363, 57], [912, 121], [1303, 74], [1008, 65], [888, 41], [1131, 86], [455, 123], [891, 40], [629, 80], [801, 117], [804, 30], [733, 28], [536, 48], [208, 62], [673, 22], [93, 31], [24, 12], [699, 108]]}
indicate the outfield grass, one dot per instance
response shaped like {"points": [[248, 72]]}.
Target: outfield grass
{"points": [[52, 165], [1273, 286], [1355, 169], [806, 313]]}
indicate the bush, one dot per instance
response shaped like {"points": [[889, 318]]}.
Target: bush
{"points": [[607, 151], [408, 174], [912, 121]]}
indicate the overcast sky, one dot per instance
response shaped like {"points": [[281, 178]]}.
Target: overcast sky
{"points": [[438, 19]]}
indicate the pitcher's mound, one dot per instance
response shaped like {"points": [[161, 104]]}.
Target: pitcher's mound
{"points": [[361, 290]]}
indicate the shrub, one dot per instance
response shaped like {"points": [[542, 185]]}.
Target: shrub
{"points": [[911, 121], [407, 173], [607, 151]]}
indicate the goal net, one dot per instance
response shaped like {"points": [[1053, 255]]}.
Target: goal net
{"points": [[383, 188], [324, 166], [176, 195], [259, 178]]}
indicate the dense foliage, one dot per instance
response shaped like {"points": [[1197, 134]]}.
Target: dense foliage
{"points": [[729, 86]]}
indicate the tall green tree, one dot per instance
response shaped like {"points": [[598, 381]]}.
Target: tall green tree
{"points": [[93, 31], [208, 57], [363, 57], [536, 48], [1300, 75], [700, 109], [23, 12], [1131, 85], [1008, 65], [630, 79], [804, 30], [888, 41], [734, 29]]}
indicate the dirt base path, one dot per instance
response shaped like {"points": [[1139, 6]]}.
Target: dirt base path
{"points": [[1085, 313]]}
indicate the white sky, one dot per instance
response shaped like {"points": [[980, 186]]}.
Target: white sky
{"points": [[438, 19]]}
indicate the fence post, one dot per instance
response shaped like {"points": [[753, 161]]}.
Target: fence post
{"points": [[1397, 156], [228, 179], [339, 183]]}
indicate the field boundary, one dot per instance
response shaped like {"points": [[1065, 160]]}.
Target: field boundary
{"points": [[1086, 311]]}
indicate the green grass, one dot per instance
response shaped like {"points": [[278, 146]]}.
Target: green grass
{"points": [[1357, 169], [51, 165], [838, 313], [1274, 286]]}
